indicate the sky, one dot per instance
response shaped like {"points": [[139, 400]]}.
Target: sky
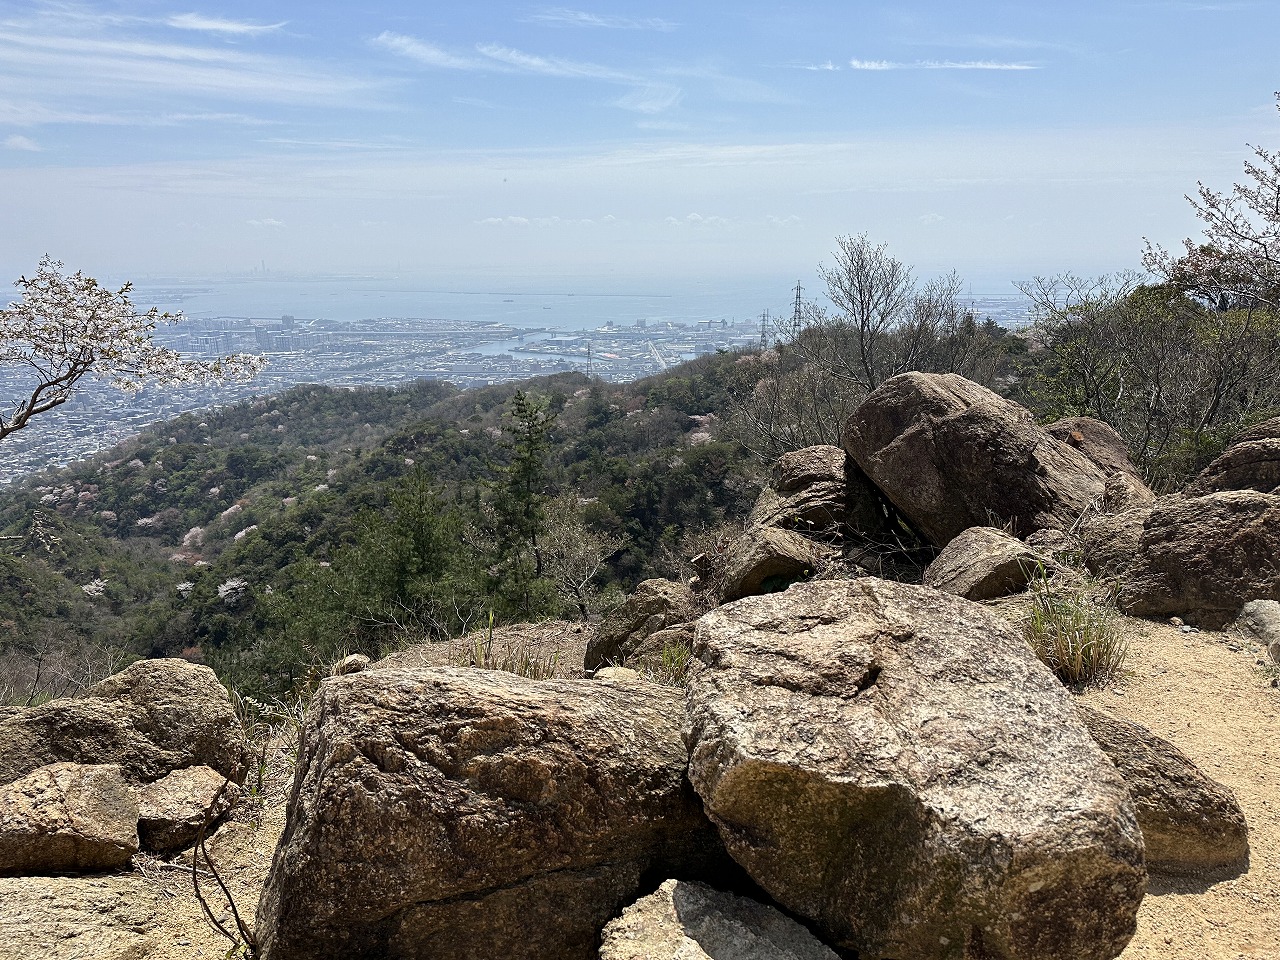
{"points": [[653, 145]]}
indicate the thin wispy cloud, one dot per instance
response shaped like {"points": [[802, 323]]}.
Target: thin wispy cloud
{"points": [[856, 64], [550, 66], [651, 98], [21, 143], [195, 21], [563, 16], [646, 96], [52, 67], [426, 53], [820, 67]]}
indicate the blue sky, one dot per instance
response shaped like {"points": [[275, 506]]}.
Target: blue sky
{"points": [[621, 143]]}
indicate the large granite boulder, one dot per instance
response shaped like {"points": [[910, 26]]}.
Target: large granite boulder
{"points": [[655, 605], [892, 763], [153, 717], [1189, 823], [67, 818], [984, 563], [1203, 558], [458, 813], [686, 920], [767, 559], [1250, 462], [951, 454]]}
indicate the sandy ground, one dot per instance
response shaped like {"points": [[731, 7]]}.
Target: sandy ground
{"points": [[1208, 695]]}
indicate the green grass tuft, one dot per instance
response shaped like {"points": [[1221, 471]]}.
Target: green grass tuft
{"points": [[1075, 636]]}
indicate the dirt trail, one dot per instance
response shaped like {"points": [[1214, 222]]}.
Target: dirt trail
{"points": [[1216, 705]]}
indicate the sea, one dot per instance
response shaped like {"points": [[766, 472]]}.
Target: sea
{"points": [[566, 303], [98, 416]]}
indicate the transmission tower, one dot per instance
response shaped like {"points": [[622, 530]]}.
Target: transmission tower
{"points": [[764, 330], [798, 309]]}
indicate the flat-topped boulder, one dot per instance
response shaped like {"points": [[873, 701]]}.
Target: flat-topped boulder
{"points": [[893, 764], [462, 813], [950, 454], [153, 717], [67, 818]]}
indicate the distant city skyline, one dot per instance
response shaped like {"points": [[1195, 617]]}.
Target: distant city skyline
{"points": [[662, 144]]}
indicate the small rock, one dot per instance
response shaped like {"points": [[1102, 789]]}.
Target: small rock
{"points": [[1175, 621], [1189, 822], [984, 563], [683, 920], [172, 810], [350, 664]]}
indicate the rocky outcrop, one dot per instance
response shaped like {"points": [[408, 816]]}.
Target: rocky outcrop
{"points": [[1250, 462], [951, 454], [153, 717], [984, 563], [767, 559], [1203, 558], [67, 817], [893, 764], [686, 920], [655, 605], [459, 813], [1098, 441], [173, 809], [1190, 823], [808, 492]]}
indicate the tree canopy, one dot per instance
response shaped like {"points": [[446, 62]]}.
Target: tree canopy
{"points": [[63, 328]]}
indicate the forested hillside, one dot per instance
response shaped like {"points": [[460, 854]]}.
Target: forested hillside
{"points": [[268, 536]]}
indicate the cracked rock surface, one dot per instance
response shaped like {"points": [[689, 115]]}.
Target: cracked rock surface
{"points": [[460, 813], [893, 764]]}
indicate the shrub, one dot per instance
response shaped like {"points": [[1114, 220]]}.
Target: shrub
{"points": [[1075, 636]]}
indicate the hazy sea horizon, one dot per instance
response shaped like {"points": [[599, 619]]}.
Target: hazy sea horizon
{"points": [[567, 303]]}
